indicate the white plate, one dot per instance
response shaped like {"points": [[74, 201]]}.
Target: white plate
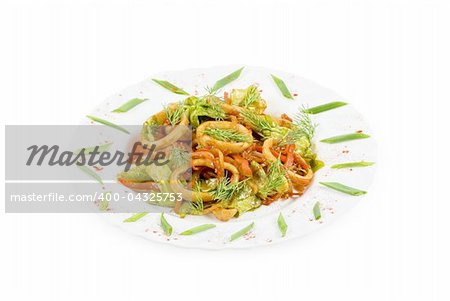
{"points": [[297, 212]]}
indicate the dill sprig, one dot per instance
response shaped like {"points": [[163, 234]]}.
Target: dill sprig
{"points": [[251, 96], [275, 179], [174, 115], [209, 90], [262, 124], [207, 106], [303, 121], [179, 156], [303, 127], [196, 206], [225, 190], [210, 104], [227, 135]]}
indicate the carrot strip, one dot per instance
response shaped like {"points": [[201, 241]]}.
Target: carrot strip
{"points": [[289, 155], [244, 166]]}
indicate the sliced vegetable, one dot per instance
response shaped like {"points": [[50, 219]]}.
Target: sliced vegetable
{"points": [[228, 135], [346, 137], [104, 201], [282, 225], [135, 217], [198, 229], [325, 107], [264, 125], [107, 123], [249, 98], [167, 228], [343, 188], [129, 105], [353, 164], [316, 165], [276, 180], [90, 172], [282, 86], [242, 232], [316, 211], [171, 87], [226, 80]]}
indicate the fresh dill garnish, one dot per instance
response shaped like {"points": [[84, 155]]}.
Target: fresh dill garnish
{"points": [[174, 115], [275, 179], [225, 190], [207, 106], [196, 206], [210, 104], [209, 90], [303, 121], [179, 156], [303, 127], [262, 124], [227, 135], [251, 96]]}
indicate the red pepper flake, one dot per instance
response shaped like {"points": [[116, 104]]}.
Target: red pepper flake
{"points": [[295, 94], [359, 131]]}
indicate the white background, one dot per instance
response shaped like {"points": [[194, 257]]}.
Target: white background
{"points": [[390, 58]]}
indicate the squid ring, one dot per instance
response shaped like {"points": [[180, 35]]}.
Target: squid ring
{"points": [[224, 146]]}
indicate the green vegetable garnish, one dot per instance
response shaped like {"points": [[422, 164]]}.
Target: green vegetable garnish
{"points": [[346, 137], [198, 229], [179, 157], [104, 202], [225, 80], [316, 211], [107, 123], [135, 217], [343, 188], [225, 190], [227, 135], [325, 107], [251, 96], [90, 172], [303, 128], [263, 125], [165, 225], [282, 225], [170, 87], [129, 105], [282, 86], [242, 232], [207, 106], [316, 165], [353, 164], [276, 180], [174, 115]]}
